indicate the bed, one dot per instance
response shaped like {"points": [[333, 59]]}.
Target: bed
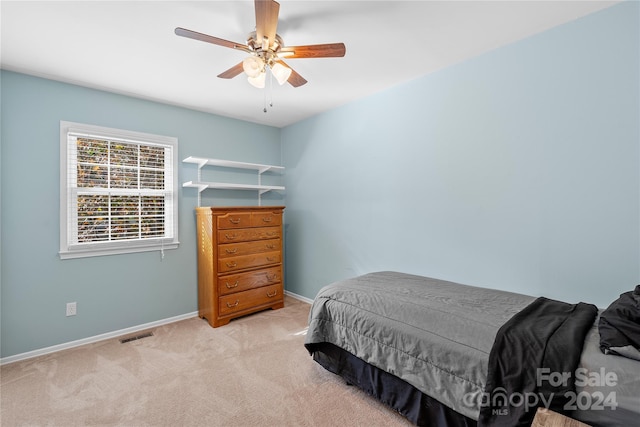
{"points": [[447, 354]]}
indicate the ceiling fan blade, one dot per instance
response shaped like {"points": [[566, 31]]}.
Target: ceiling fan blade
{"points": [[328, 50], [266, 21], [210, 39], [231, 72], [295, 79]]}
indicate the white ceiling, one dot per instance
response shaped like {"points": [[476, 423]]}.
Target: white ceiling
{"points": [[129, 47]]}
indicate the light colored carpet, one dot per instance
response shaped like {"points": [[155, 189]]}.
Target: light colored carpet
{"points": [[253, 372]]}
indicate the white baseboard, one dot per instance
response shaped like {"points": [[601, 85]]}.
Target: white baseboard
{"points": [[96, 338], [298, 297], [108, 335]]}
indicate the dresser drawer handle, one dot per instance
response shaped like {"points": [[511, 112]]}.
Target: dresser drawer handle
{"points": [[234, 221], [230, 236], [272, 233], [273, 294], [235, 285], [233, 305], [271, 246], [272, 277], [271, 259], [231, 251], [232, 264], [267, 219]]}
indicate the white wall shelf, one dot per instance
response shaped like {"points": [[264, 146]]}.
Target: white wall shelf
{"points": [[203, 185]]}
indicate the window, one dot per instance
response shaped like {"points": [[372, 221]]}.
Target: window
{"points": [[118, 191]]}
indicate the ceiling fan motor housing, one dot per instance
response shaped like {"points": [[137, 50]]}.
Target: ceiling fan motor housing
{"points": [[262, 50]]}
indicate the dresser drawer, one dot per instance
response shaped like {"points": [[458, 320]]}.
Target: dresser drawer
{"points": [[266, 219], [248, 261], [249, 280], [248, 248], [247, 234], [249, 299], [234, 220]]}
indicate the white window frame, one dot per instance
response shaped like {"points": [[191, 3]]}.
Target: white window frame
{"points": [[69, 247]]}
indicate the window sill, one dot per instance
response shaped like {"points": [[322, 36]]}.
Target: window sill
{"points": [[85, 253]]}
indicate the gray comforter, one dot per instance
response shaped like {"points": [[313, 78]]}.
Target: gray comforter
{"points": [[435, 335]]}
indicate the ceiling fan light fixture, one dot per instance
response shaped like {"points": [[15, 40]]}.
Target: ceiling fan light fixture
{"points": [[281, 73], [257, 81], [253, 66]]}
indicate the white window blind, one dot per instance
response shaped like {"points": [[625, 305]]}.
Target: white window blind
{"points": [[118, 191]]}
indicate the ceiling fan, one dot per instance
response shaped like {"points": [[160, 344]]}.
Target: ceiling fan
{"points": [[266, 49]]}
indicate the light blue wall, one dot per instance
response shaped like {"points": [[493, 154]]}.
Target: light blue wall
{"points": [[112, 292], [517, 170]]}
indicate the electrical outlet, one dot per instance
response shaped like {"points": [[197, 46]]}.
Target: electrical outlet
{"points": [[71, 309]]}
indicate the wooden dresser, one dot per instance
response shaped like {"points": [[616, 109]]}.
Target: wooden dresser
{"points": [[239, 261]]}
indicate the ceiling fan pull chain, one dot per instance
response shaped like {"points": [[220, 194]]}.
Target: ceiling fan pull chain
{"points": [[265, 97], [270, 88], [265, 102]]}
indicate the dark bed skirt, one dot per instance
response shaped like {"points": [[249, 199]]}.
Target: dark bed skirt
{"points": [[417, 407]]}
